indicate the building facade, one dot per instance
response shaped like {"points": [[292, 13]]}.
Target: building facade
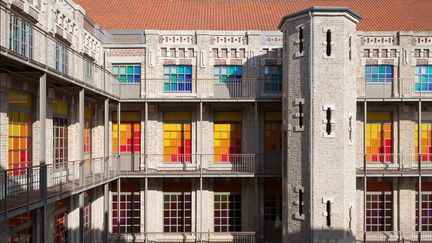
{"points": [[318, 129]]}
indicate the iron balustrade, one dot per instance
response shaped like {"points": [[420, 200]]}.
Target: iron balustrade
{"points": [[206, 237], [395, 163]]}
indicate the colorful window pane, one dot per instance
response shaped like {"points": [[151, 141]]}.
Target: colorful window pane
{"points": [[128, 73], [272, 132], [87, 214], [177, 212], [227, 212], [272, 79], [227, 136], [20, 228], [20, 141], [379, 73], [426, 216], [224, 74], [127, 214], [177, 78], [379, 138], [60, 135], [426, 143], [379, 210], [130, 133], [87, 130], [423, 78], [60, 221], [177, 137]]}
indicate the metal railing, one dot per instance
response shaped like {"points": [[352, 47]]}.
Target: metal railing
{"points": [[394, 88], [206, 237], [23, 186], [394, 236], [400, 163], [45, 51]]}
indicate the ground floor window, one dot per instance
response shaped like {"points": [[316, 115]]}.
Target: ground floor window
{"points": [[126, 212], [379, 207], [60, 221], [20, 228], [177, 212], [227, 212]]}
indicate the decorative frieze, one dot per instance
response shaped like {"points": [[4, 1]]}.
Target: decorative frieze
{"points": [[421, 40], [228, 53], [381, 40], [276, 40], [177, 39], [177, 52], [379, 53], [228, 39]]}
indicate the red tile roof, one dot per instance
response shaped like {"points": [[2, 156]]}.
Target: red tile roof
{"points": [[378, 15]]}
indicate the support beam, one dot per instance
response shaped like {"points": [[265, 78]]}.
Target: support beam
{"points": [[106, 161], [118, 135], [200, 161], [118, 208], [81, 163], [419, 169], [42, 155], [364, 169]]}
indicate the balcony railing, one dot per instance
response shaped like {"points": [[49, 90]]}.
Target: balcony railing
{"points": [[206, 237], [394, 163], [394, 236], [40, 50], [22, 186], [395, 88]]}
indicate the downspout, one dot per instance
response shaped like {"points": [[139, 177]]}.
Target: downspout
{"points": [[311, 123]]}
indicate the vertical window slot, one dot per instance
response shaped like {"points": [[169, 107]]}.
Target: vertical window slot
{"points": [[300, 202], [328, 124], [328, 46], [328, 208], [301, 115]]}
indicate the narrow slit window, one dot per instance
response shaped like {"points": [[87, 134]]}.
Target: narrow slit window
{"points": [[350, 128], [350, 48], [328, 208], [301, 40], [301, 202], [328, 46], [328, 124], [301, 114]]}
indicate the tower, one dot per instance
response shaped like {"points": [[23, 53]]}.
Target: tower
{"points": [[319, 107]]}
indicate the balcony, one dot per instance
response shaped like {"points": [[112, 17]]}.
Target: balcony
{"points": [[394, 164], [395, 89], [206, 237], [40, 53], [22, 186], [394, 236]]}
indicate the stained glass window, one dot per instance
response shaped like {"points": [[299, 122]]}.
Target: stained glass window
{"points": [[87, 214], [60, 221], [87, 130], [227, 212], [20, 141], [128, 73], [426, 144], [129, 215], [379, 138], [272, 132], [272, 79], [426, 216], [20, 228], [177, 212], [423, 78], [177, 78], [224, 74], [379, 73], [177, 137], [130, 132], [379, 209], [227, 136]]}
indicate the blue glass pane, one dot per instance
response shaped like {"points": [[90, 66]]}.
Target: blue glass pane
{"points": [[181, 86], [180, 69], [173, 87], [239, 70], [417, 87], [189, 76], [188, 86], [137, 69], [217, 70], [389, 69], [188, 69], [166, 70]]}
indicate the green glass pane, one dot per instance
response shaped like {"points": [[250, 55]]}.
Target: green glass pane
{"points": [[115, 70], [122, 78], [166, 87], [180, 69], [130, 70], [382, 69], [231, 71]]}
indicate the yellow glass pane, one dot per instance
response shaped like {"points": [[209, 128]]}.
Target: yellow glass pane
{"points": [[217, 127], [217, 135], [166, 143], [224, 135], [166, 127], [166, 134], [174, 135], [217, 143]]}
